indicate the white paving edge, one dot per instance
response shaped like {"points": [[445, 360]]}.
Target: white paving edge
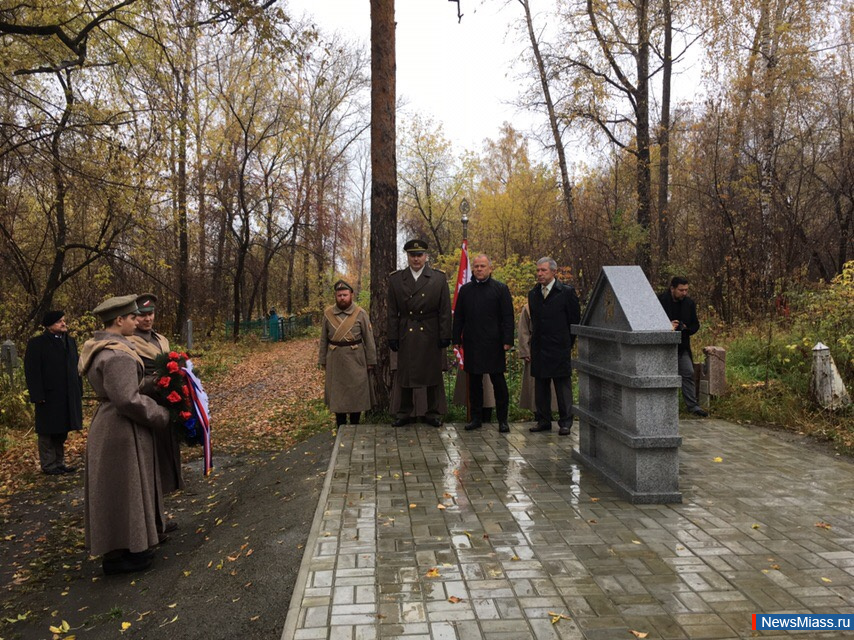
{"points": [[290, 628]]}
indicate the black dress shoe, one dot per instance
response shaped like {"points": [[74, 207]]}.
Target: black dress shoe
{"points": [[700, 412], [57, 471], [540, 427], [563, 431], [401, 422], [171, 526], [503, 427], [433, 422], [128, 563], [474, 424], [66, 469]]}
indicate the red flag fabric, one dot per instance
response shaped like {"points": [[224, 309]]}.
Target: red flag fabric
{"points": [[463, 276]]}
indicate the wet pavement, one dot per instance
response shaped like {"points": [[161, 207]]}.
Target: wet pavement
{"points": [[443, 534]]}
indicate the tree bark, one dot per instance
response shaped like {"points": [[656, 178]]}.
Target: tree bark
{"points": [[664, 142], [566, 185], [644, 178], [384, 192]]}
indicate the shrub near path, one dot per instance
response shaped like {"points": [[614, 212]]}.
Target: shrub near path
{"points": [[229, 569]]}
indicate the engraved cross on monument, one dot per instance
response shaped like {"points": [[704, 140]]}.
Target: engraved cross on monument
{"points": [[628, 380]]}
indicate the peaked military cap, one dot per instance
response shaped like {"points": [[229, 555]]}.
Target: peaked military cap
{"points": [[415, 246], [341, 286], [112, 308], [146, 302]]}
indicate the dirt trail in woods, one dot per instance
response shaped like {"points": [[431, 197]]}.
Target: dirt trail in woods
{"points": [[228, 571]]}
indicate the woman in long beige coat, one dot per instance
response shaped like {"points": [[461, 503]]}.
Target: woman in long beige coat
{"points": [[122, 493]]}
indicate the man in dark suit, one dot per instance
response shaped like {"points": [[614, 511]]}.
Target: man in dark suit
{"points": [[419, 329], [682, 312], [50, 367], [483, 326], [554, 309]]}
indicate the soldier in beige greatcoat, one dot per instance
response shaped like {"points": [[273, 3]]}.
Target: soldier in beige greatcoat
{"points": [[348, 353], [149, 344], [121, 486]]}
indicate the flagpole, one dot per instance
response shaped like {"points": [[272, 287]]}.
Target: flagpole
{"points": [[464, 210]]}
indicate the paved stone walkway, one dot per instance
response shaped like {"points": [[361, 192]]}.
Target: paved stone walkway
{"points": [[511, 526]]}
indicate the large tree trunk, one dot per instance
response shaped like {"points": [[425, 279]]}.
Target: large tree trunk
{"points": [[60, 226], [644, 180], [383, 179], [664, 143], [566, 185]]}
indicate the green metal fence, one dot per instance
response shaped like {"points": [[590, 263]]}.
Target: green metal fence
{"points": [[273, 329]]}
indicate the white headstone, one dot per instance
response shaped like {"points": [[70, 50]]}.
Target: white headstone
{"points": [[826, 385]]}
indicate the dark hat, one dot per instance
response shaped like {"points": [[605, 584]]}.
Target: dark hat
{"points": [[415, 246], [112, 308], [145, 302], [341, 285], [52, 317]]}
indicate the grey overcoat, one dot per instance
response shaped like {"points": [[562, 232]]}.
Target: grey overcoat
{"points": [[121, 485]]}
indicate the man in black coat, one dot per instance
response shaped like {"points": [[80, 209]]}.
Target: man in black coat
{"points": [[50, 366], [554, 309], [483, 326], [682, 312]]}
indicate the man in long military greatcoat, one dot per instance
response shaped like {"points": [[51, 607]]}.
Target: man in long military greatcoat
{"points": [[50, 367], [419, 329], [149, 344], [554, 309], [121, 486], [347, 353], [483, 326]]}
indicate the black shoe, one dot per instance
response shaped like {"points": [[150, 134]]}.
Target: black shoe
{"points": [[128, 563], [700, 412], [66, 469], [474, 424], [503, 427], [401, 422], [57, 471], [540, 427], [171, 526], [433, 422], [563, 431]]}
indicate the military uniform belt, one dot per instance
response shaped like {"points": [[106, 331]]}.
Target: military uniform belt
{"points": [[345, 343]]}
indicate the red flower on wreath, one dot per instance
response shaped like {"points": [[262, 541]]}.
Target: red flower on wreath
{"points": [[164, 382], [172, 367], [185, 415], [185, 390], [174, 397], [173, 355], [184, 355]]}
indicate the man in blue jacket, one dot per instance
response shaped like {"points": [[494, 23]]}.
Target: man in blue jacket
{"points": [[50, 366], [554, 309], [682, 312]]}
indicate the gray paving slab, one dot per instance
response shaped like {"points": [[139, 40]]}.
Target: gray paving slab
{"points": [[435, 534]]}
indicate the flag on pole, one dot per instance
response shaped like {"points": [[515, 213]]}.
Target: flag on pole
{"points": [[463, 276]]}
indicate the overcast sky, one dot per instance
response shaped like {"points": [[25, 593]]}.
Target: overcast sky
{"points": [[467, 75], [462, 74]]}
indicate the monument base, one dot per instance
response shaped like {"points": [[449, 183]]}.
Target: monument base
{"points": [[625, 491]]}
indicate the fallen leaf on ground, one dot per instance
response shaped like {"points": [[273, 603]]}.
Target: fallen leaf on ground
{"points": [[454, 599], [718, 459], [823, 525], [432, 573], [638, 634]]}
